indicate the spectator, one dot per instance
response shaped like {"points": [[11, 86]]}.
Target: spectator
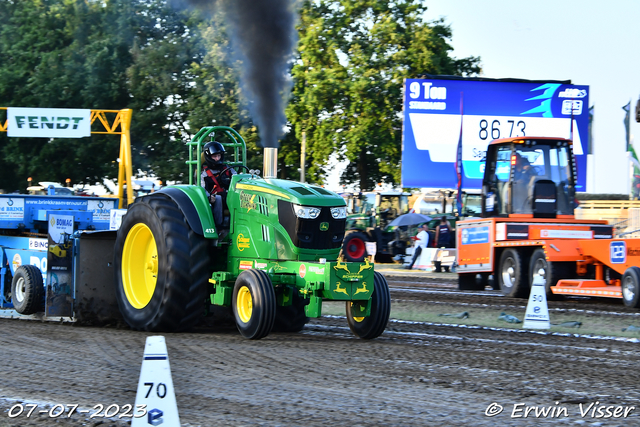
{"points": [[443, 234], [422, 240]]}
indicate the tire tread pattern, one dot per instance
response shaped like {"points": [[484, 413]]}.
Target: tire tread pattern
{"points": [[182, 268]]}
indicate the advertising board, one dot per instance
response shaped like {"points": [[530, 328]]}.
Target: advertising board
{"points": [[491, 109]]}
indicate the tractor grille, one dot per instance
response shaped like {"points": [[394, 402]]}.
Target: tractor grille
{"points": [[306, 233]]}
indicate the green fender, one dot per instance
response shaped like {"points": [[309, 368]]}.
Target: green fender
{"points": [[192, 201]]}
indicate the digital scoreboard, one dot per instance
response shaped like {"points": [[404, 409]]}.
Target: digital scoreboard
{"points": [[436, 109]]}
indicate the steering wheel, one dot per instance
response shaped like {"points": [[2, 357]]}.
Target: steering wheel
{"points": [[232, 167], [391, 212]]}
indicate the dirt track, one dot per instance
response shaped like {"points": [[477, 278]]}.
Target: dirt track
{"points": [[414, 374]]}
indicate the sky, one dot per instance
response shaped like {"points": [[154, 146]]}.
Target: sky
{"points": [[590, 43]]}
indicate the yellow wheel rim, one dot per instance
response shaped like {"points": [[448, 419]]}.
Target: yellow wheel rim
{"points": [[139, 265], [244, 304], [358, 319]]}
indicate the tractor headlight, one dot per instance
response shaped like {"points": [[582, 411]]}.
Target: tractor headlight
{"points": [[339, 213], [306, 212]]}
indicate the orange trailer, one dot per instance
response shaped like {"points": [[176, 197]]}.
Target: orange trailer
{"points": [[528, 228]]}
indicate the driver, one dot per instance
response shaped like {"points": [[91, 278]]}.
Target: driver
{"points": [[215, 178]]}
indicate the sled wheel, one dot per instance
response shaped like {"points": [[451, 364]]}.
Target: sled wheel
{"points": [[372, 326], [254, 304], [161, 267], [291, 318], [469, 282], [27, 290], [551, 271], [354, 247], [631, 287], [513, 275]]}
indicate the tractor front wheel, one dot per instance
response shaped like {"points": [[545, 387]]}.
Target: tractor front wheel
{"points": [[374, 325], [161, 267], [27, 290], [254, 304]]}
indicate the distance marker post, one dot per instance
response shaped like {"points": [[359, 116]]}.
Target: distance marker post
{"points": [[537, 315], [155, 387]]}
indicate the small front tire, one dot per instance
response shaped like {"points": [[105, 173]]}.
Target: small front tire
{"points": [[374, 325], [254, 304]]}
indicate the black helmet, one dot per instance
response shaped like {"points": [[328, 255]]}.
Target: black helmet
{"points": [[211, 148]]}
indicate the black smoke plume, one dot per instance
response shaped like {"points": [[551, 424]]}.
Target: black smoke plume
{"points": [[263, 36]]}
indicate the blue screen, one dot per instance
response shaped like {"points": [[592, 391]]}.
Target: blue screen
{"points": [[437, 112]]}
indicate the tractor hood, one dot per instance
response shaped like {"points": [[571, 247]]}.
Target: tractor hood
{"points": [[291, 191]]}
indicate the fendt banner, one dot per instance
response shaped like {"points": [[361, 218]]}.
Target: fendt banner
{"points": [[48, 122], [490, 110]]}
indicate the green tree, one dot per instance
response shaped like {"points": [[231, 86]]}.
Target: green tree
{"points": [[62, 54], [353, 58]]}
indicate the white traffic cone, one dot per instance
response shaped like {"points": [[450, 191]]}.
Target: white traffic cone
{"points": [[537, 315], [156, 398]]}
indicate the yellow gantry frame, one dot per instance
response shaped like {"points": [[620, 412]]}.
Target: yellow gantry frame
{"points": [[111, 122]]}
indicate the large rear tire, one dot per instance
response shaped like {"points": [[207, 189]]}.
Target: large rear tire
{"points": [[354, 247], [291, 318], [27, 290], [161, 267], [374, 325], [513, 274], [254, 304]]}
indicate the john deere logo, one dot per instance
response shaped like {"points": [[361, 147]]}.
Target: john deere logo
{"points": [[324, 226]]}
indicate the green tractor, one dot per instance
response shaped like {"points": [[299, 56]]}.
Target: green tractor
{"points": [[368, 220], [274, 268]]}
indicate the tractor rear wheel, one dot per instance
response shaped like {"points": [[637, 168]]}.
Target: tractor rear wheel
{"points": [[291, 318], [161, 267], [27, 290], [354, 247], [254, 304], [372, 326], [550, 271], [513, 274], [631, 287]]}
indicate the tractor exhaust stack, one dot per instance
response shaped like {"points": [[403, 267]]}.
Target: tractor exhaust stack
{"points": [[270, 169]]}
